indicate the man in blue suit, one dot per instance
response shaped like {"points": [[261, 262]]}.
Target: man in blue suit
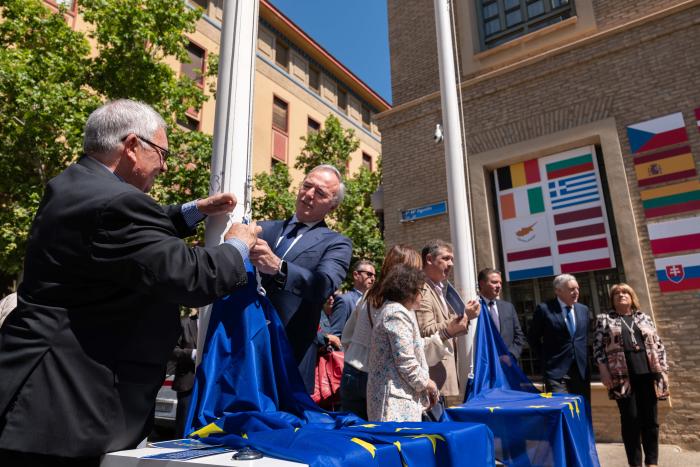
{"points": [[559, 335], [302, 262]]}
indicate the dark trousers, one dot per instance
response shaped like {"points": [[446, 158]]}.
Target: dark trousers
{"points": [[353, 391], [183, 408], [572, 383], [23, 459], [639, 417]]}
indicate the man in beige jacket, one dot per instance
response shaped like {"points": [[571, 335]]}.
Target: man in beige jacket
{"points": [[435, 316]]}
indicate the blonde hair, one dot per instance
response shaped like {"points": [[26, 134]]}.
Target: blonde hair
{"points": [[622, 287]]}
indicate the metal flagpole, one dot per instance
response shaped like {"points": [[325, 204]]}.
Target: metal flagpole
{"points": [[231, 162], [457, 196]]}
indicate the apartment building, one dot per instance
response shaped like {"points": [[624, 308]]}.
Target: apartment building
{"points": [[582, 149], [297, 85]]}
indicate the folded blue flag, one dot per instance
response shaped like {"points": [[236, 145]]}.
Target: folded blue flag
{"points": [[248, 392]]}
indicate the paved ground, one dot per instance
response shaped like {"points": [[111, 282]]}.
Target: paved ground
{"points": [[613, 455]]}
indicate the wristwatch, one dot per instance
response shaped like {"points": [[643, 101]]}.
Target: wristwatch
{"points": [[281, 276]]}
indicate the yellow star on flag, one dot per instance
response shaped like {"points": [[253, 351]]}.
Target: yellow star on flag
{"points": [[406, 428], [368, 446], [491, 409], [369, 425], [244, 435], [398, 446], [207, 430], [546, 395], [571, 407], [433, 439]]}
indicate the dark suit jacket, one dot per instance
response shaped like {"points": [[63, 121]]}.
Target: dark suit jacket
{"points": [[84, 354], [511, 332], [182, 354], [550, 339], [316, 265], [342, 307]]}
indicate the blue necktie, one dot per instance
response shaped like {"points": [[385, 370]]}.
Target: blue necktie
{"points": [[288, 239], [570, 321]]}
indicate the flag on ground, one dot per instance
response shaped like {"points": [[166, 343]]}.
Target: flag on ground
{"points": [[675, 235], [671, 199], [657, 133], [664, 166], [678, 273]]}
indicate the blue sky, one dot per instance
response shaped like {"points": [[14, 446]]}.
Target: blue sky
{"points": [[354, 32]]}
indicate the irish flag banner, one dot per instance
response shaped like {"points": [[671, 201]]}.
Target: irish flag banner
{"points": [[554, 221], [678, 273]]}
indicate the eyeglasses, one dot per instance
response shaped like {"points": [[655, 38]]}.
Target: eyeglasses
{"points": [[162, 152], [369, 273]]}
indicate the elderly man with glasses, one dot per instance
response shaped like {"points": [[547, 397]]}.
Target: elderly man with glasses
{"points": [[84, 353], [302, 262]]}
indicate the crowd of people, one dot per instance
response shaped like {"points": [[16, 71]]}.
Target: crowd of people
{"points": [[84, 352]]}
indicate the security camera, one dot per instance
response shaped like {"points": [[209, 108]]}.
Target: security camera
{"points": [[437, 136]]}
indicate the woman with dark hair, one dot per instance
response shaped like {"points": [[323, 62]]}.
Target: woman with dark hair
{"points": [[399, 387], [632, 363], [357, 334]]}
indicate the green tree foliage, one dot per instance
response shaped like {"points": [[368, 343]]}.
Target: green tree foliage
{"points": [[355, 217], [50, 82]]}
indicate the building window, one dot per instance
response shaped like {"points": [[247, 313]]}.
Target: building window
{"points": [[503, 20], [366, 115], [314, 79], [367, 161], [280, 114], [189, 123], [312, 126], [200, 3], [343, 100], [282, 54], [195, 69]]}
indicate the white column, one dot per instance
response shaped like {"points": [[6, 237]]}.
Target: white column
{"points": [[457, 196], [231, 162]]}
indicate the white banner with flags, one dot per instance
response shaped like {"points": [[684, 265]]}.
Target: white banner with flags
{"points": [[552, 216]]}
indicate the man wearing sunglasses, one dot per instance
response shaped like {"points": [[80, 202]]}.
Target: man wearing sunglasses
{"points": [[84, 353], [331, 327]]}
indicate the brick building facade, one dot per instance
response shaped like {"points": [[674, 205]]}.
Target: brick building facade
{"points": [[595, 68]]}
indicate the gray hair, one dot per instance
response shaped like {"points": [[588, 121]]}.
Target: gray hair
{"points": [[109, 124], [341, 188], [362, 262], [562, 279]]}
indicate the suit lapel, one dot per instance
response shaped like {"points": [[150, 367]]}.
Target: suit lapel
{"points": [[311, 237], [272, 232], [558, 313]]}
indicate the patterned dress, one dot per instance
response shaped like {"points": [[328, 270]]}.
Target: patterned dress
{"points": [[398, 370], [608, 349]]}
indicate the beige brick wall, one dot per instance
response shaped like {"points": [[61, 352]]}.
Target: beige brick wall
{"points": [[412, 30], [625, 77]]}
